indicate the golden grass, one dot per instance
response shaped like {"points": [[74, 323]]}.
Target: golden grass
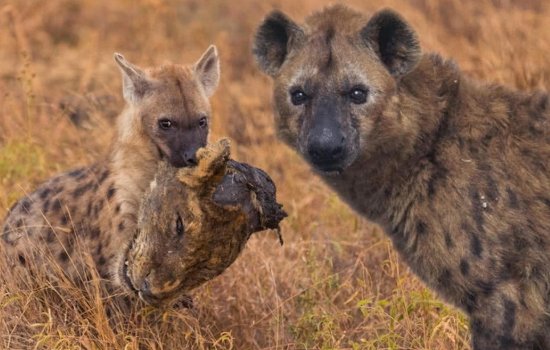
{"points": [[336, 283]]}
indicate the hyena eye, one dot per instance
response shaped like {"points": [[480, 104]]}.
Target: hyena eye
{"points": [[358, 96], [165, 124], [298, 97], [179, 226], [203, 122]]}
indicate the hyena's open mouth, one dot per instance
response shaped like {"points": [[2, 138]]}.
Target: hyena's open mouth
{"points": [[330, 171], [126, 278], [123, 271]]}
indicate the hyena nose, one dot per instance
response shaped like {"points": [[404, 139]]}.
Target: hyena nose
{"points": [[190, 158], [326, 148], [146, 288], [145, 291]]}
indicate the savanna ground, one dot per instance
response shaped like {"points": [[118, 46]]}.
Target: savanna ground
{"points": [[336, 283]]}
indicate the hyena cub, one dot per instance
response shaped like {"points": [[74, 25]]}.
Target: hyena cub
{"points": [[166, 117], [456, 172], [193, 223]]}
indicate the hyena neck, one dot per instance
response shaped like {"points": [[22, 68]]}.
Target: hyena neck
{"points": [[133, 162], [388, 176]]}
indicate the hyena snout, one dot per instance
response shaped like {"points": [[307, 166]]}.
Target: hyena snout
{"points": [[190, 157], [156, 287], [326, 147], [145, 290], [185, 157]]}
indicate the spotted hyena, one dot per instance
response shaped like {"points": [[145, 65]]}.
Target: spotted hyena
{"points": [[166, 118], [456, 172]]}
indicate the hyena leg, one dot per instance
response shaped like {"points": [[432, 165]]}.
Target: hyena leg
{"points": [[501, 322]]}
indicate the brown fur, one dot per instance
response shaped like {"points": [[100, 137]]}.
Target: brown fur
{"points": [[455, 171], [94, 209], [194, 222]]}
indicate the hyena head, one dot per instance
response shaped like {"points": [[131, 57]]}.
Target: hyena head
{"points": [[183, 238], [333, 78], [170, 105], [193, 223]]}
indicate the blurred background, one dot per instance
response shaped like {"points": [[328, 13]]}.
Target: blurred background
{"points": [[336, 283]]}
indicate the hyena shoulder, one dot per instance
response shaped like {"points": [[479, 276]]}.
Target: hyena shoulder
{"points": [[66, 210]]}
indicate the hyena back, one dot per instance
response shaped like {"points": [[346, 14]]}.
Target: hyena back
{"points": [[456, 172]]}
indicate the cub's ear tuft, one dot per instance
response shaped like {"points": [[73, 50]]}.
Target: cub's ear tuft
{"points": [[274, 39], [394, 40], [134, 81], [214, 156], [208, 70], [212, 160]]}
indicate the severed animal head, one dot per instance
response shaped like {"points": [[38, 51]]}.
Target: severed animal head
{"points": [[194, 222]]}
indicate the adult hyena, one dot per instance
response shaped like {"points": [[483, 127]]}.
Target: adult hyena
{"points": [[166, 117], [456, 172]]}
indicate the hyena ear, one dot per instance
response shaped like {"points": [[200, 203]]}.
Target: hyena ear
{"points": [[134, 82], [274, 39], [207, 69], [394, 41], [212, 161]]}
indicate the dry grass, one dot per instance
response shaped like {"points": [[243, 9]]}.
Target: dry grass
{"points": [[336, 283]]}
